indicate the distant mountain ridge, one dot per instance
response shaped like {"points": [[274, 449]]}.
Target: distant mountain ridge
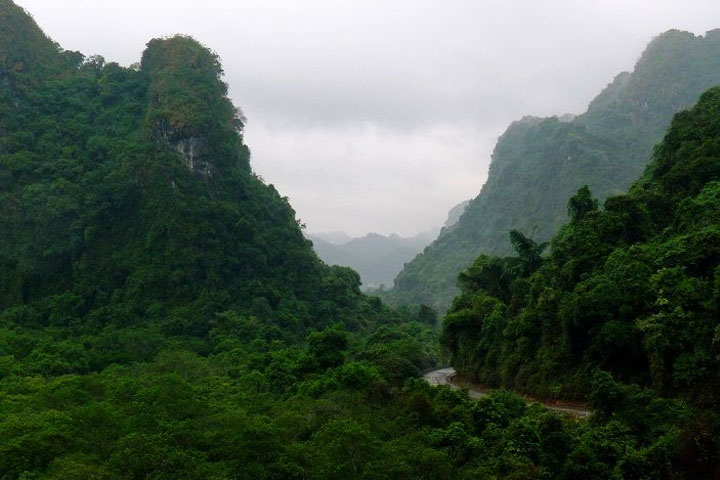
{"points": [[334, 238], [538, 163], [377, 258]]}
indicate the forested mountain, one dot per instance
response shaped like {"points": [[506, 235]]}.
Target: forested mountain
{"points": [[630, 291], [538, 163], [162, 316], [127, 202], [377, 258], [631, 288], [149, 278]]}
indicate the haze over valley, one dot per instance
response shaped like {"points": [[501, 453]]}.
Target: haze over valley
{"points": [[378, 258]]}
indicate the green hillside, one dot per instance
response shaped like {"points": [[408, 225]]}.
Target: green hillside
{"points": [[538, 163], [22, 62], [631, 288], [127, 203], [163, 318]]}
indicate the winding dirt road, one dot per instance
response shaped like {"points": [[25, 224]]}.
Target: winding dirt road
{"points": [[447, 376]]}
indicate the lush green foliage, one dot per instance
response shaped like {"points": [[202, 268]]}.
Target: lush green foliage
{"points": [[21, 62], [127, 205], [162, 317], [538, 163], [631, 289], [335, 409]]}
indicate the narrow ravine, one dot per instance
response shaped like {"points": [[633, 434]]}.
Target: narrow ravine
{"points": [[447, 376]]}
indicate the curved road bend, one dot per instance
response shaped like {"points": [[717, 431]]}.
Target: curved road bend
{"points": [[444, 376]]}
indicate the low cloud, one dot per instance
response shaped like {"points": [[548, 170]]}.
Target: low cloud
{"points": [[362, 175]]}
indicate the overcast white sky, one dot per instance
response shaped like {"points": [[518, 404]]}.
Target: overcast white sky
{"points": [[381, 115]]}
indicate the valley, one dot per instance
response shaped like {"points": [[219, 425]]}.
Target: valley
{"points": [[165, 315]]}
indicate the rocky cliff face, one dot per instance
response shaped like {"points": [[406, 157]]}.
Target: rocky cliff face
{"points": [[189, 110], [191, 151]]}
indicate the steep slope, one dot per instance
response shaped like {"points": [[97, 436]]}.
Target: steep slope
{"points": [[538, 163], [36, 54], [454, 215], [127, 203], [631, 289]]}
